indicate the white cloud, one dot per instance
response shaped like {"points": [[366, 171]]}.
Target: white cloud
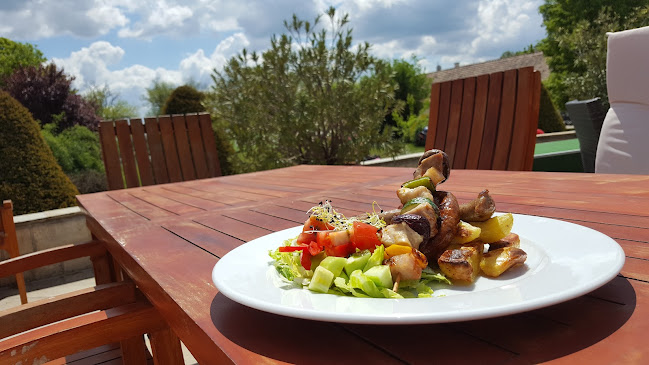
{"points": [[162, 19], [94, 66], [502, 22]]}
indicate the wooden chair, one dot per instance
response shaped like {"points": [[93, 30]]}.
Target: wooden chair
{"points": [[163, 149], [587, 116], [486, 122], [111, 312], [9, 243]]}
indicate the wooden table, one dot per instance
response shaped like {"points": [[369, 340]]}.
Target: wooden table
{"points": [[169, 237]]}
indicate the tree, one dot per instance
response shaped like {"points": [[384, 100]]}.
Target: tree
{"points": [[184, 99], [527, 50], [108, 105], [29, 174], [157, 95], [313, 99], [47, 91], [413, 88], [588, 43], [567, 20], [560, 18], [15, 55]]}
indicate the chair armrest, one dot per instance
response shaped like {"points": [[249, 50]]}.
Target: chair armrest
{"points": [[35, 314], [50, 256]]}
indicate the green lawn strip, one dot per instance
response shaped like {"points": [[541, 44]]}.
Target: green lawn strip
{"points": [[556, 146]]}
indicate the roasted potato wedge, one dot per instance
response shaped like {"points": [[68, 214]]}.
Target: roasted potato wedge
{"points": [[477, 244], [495, 228], [466, 233], [462, 264], [496, 262], [511, 240]]}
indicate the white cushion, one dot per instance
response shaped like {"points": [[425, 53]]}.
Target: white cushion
{"points": [[623, 146]]}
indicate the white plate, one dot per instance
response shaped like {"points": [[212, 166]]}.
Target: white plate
{"points": [[564, 261]]}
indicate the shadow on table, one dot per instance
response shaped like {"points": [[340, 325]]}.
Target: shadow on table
{"points": [[534, 337]]}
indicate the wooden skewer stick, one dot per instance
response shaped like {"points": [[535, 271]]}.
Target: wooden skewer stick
{"points": [[396, 283]]}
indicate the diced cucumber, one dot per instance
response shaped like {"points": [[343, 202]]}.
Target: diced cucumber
{"points": [[317, 259], [360, 281], [422, 181], [380, 275], [376, 258], [321, 280], [357, 261], [334, 264]]}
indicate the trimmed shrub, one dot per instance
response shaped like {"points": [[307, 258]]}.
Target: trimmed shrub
{"points": [[549, 118], [184, 99], [29, 174]]}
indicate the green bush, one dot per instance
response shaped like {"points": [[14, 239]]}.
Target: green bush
{"points": [[29, 174], [76, 149], [410, 127], [549, 118], [89, 181]]}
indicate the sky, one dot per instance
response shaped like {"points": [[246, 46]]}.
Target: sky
{"points": [[127, 44]]}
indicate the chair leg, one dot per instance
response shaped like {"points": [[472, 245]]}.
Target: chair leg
{"points": [[134, 351], [104, 269], [20, 282], [166, 349]]}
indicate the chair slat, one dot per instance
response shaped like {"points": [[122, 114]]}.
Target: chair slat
{"points": [[50, 256], [478, 125], [170, 150], [196, 143], [454, 119], [433, 115], [491, 121], [505, 121], [534, 116], [464, 128], [9, 243], [111, 155], [182, 144], [126, 153], [522, 114], [39, 313], [158, 161], [141, 152], [444, 110], [211, 152]]}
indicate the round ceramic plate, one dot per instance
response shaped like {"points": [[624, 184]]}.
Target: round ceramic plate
{"points": [[564, 261]]}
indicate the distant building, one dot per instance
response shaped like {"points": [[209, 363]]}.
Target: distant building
{"points": [[459, 72]]}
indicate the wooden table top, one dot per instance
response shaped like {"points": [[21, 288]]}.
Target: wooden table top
{"points": [[169, 237]]}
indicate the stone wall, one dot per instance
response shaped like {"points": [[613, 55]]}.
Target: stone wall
{"points": [[40, 231]]}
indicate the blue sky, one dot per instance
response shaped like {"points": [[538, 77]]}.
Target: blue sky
{"points": [[126, 44]]}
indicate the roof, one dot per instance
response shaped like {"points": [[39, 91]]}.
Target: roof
{"points": [[530, 59]]}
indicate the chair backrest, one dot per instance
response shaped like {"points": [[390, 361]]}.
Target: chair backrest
{"points": [[9, 243], [623, 147], [587, 116], [158, 150], [488, 121]]}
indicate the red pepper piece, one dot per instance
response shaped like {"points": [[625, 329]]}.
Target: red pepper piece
{"points": [[305, 260], [292, 248]]}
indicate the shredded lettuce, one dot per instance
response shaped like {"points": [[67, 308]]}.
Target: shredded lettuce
{"points": [[288, 264]]}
